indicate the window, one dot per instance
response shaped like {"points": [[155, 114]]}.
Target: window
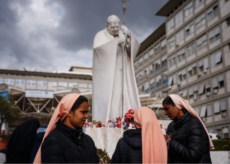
{"points": [[146, 73], [179, 17], [73, 85], [163, 45], [158, 80], [33, 83], [1, 81], [191, 49], [202, 42], [18, 82], [192, 70], [140, 61], [214, 35], [172, 80], [171, 42], [170, 24], [22, 82], [189, 29], [83, 85], [200, 21], [158, 65], [157, 49], [188, 9], [39, 83], [164, 62], [147, 87], [28, 83], [216, 58], [209, 110], [52, 84], [213, 12], [179, 37], [199, 2], [151, 53], [146, 57], [228, 21], [221, 81]]}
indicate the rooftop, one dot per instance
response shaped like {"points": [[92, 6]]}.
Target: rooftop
{"points": [[169, 7]]}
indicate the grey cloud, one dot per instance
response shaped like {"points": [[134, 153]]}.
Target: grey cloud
{"points": [[80, 21]]}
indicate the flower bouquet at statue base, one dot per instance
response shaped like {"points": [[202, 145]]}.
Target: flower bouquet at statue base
{"points": [[129, 120]]}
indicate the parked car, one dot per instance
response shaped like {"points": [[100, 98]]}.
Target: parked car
{"points": [[214, 136]]}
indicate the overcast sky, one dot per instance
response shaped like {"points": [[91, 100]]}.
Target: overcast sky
{"points": [[51, 35]]}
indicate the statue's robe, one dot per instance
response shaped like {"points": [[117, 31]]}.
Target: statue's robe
{"points": [[108, 76]]}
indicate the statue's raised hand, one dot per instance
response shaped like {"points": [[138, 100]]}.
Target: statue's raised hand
{"points": [[125, 31], [121, 40]]}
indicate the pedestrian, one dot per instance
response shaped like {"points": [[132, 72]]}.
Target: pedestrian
{"points": [[21, 142], [64, 140], [187, 138], [38, 141], [145, 144]]}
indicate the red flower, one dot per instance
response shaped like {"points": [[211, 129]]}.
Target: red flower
{"points": [[131, 111], [128, 116]]}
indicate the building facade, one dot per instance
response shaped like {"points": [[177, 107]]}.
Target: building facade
{"points": [[197, 34], [40, 92]]}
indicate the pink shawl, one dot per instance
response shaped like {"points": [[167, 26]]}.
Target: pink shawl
{"points": [[182, 104], [61, 112], [154, 148]]}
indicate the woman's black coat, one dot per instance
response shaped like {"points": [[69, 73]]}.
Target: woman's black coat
{"points": [[21, 142], [67, 145], [129, 148], [190, 143]]}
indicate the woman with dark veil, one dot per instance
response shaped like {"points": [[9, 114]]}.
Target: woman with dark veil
{"points": [[21, 142]]}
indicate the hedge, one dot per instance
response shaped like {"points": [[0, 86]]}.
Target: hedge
{"points": [[221, 145]]}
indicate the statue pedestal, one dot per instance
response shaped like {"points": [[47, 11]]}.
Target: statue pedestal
{"points": [[105, 138]]}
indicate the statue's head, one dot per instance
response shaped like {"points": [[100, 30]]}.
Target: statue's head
{"points": [[113, 24]]}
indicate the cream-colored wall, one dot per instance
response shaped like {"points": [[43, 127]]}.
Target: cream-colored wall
{"points": [[225, 31], [193, 78], [188, 17], [172, 68], [208, 1], [189, 37], [214, 20], [224, 8], [191, 57], [214, 44], [200, 29], [217, 67], [199, 8], [209, 119], [179, 24], [202, 51], [181, 63]]}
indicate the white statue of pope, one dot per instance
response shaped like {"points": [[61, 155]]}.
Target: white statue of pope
{"points": [[114, 84]]}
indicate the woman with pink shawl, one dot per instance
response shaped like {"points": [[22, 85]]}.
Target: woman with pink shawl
{"points": [[64, 140], [187, 138], [145, 144]]}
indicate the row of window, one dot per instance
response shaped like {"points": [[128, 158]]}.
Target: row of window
{"points": [[205, 88], [212, 12], [217, 107], [19, 82], [154, 83]]}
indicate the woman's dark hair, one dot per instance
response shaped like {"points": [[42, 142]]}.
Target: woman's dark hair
{"points": [[168, 101], [78, 102]]}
